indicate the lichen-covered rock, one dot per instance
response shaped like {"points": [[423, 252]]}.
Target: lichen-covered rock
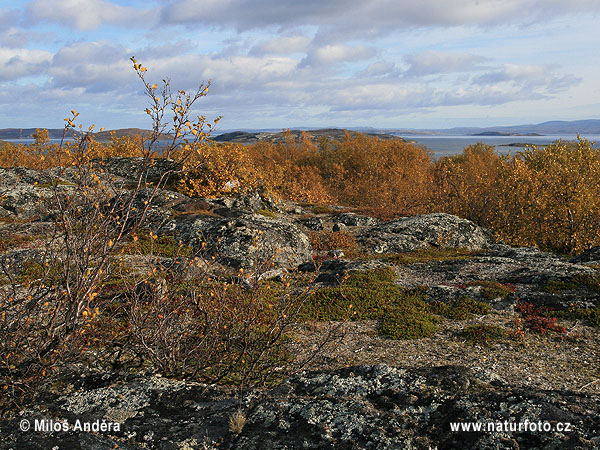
{"points": [[364, 407], [245, 241], [591, 256], [312, 223], [425, 231], [25, 193], [334, 270], [529, 271], [354, 220], [130, 168]]}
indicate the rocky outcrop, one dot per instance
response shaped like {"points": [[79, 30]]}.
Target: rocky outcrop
{"points": [[244, 241], [591, 256], [367, 407], [425, 231], [528, 272], [354, 220]]}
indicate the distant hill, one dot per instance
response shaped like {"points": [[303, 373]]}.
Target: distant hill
{"points": [[123, 132], [590, 126], [57, 133], [246, 137], [504, 133], [27, 133], [584, 127]]}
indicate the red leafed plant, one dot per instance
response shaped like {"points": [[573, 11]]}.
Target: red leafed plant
{"points": [[536, 320]]}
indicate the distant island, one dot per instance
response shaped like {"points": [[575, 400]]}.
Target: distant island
{"points": [[336, 134], [583, 127], [504, 133]]}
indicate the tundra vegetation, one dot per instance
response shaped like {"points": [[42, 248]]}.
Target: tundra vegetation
{"points": [[81, 300]]}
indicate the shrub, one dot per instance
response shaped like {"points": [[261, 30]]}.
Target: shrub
{"points": [[536, 320], [327, 241], [368, 295], [463, 308], [493, 289], [483, 334], [49, 310], [399, 323]]}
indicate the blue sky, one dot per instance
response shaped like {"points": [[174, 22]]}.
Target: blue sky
{"points": [[316, 63]]}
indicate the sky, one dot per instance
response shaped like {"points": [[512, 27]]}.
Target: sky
{"points": [[303, 63]]}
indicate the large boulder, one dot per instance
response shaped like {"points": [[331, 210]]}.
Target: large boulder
{"points": [[26, 193], [244, 241], [425, 231], [130, 168]]}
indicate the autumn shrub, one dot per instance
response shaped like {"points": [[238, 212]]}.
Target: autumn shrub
{"points": [[387, 174], [215, 169], [214, 331], [564, 212], [483, 334], [544, 196], [45, 317], [466, 184], [536, 319], [290, 169], [327, 241]]}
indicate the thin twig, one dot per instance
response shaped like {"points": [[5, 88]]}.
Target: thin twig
{"points": [[589, 384]]}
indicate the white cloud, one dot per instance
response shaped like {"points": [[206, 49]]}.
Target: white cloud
{"points": [[370, 16], [90, 14], [334, 53], [18, 63], [284, 45], [542, 77], [433, 63], [94, 66]]}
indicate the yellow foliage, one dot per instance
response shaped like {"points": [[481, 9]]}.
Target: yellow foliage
{"points": [[216, 169]]}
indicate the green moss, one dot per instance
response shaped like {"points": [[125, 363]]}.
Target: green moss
{"points": [[591, 282], [363, 279], [319, 209], [483, 334], [430, 254], [404, 313], [266, 213], [400, 323], [463, 308], [590, 315]]}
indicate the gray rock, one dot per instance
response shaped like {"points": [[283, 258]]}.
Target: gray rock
{"points": [[591, 256], [130, 168], [355, 220], [365, 407], [338, 226], [333, 270], [526, 270], [425, 231], [245, 241], [312, 223]]}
